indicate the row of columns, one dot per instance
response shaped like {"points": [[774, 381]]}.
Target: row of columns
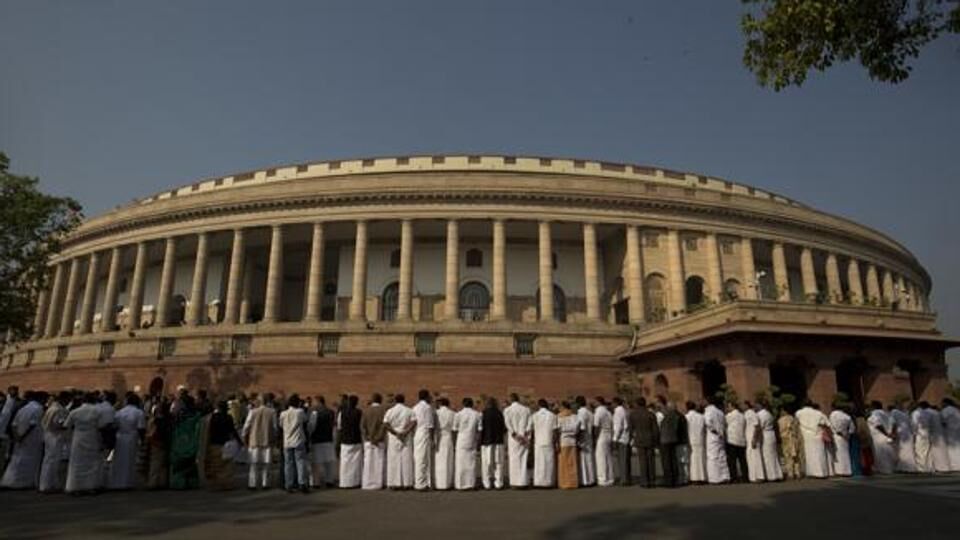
{"points": [[56, 307]]}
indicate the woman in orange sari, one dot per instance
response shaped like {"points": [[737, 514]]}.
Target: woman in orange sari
{"points": [[570, 429]]}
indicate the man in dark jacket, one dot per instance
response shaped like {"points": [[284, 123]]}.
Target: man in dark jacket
{"points": [[646, 438], [670, 437], [492, 454]]}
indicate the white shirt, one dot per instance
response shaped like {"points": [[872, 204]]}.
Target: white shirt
{"points": [[811, 421], [445, 418], [696, 427], [544, 425], [467, 425], [714, 421], [569, 426], [621, 425], [517, 418], [130, 419], [736, 428], [399, 417], [107, 413], [293, 422], [585, 418], [603, 420], [424, 414]]}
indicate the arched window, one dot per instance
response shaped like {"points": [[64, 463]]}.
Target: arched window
{"points": [[474, 258], [694, 293], [731, 290], [655, 301], [474, 301], [559, 304], [395, 258], [389, 301]]}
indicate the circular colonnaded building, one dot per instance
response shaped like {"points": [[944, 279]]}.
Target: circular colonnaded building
{"points": [[482, 275]]}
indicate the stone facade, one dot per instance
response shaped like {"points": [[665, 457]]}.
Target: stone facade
{"points": [[479, 275]]}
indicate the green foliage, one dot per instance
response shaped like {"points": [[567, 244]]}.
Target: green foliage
{"points": [[32, 225], [728, 394], [841, 401], [776, 400], [786, 39]]}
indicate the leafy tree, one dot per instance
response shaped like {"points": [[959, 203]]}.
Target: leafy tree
{"points": [[32, 225], [786, 39]]}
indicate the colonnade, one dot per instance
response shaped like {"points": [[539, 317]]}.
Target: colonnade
{"points": [[56, 312]]}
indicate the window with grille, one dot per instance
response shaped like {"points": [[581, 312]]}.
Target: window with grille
{"points": [[166, 347], [523, 344], [726, 246], [425, 344], [106, 350], [328, 344], [474, 301], [690, 244], [241, 345], [62, 352], [389, 302]]}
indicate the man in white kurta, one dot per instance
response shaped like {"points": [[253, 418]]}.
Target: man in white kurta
{"points": [[938, 442], [587, 471], [843, 428], [771, 456], [423, 442], [545, 428], [400, 423], [603, 428], [696, 436], [921, 442], [881, 433], [466, 424], [6, 416], [906, 460], [754, 440], [23, 470], [517, 417], [445, 455], [85, 471], [950, 416], [56, 445], [718, 471], [813, 423], [621, 442], [131, 425]]}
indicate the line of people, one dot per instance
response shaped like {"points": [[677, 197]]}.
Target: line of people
{"points": [[83, 442]]}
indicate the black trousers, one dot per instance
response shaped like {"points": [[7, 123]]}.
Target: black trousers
{"points": [[671, 470], [623, 464], [648, 466], [737, 462]]}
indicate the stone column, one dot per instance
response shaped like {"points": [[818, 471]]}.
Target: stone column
{"points": [[913, 304], [498, 309], [405, 289], [675, 271], [808, 273], [358, 302], [40, 315], [854, 281], [245, 290], [834, 288], [634, 281], [271, 302], [714, 272], [70, 302], [889, 294], [823, 385], [873, 283], [590, 274], [751, 285], [108, 314], [546, 272], [780, 277], [237, 256], [167, 278], [451, 299], [136, 287], [315, 279], [903, 295], [87, 305], [198, 289], [52, 326]]}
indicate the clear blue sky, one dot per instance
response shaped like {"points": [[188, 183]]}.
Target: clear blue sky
{"points": [[107, 101]]}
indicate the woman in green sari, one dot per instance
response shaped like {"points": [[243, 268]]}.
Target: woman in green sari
{"points": [[185, 447]]}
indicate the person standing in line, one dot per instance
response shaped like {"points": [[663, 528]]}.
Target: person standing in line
{"points": [[672, 431], [131, 426], [10, 405], [883, 437], [950, 416], [646, 438], [351, 444], [444, 460], [754, 438], [921, 446], [323, 457], [791, 445], [374, 435], [492, 431], [159, 431], [223, 447], [587, 465], [23, 470], [816, 435], [843, 431], [423, 442], [938, 442], [621, 442], [293, 425], [56, 445], [570, 431], [900, 417], [696, 435], [259, 433], [736, 441], [865, 457], [467, 425], [517, 419], [400, 423], [85, 469], [545, 427], [768, 429], [603, 448], [718, 472]]}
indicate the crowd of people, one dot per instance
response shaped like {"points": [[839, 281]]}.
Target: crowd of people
{"points": [[85, 442]]}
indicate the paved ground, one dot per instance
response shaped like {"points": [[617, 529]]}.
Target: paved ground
{"points": [[897, 507]]}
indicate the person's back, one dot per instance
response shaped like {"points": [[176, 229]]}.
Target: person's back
{"points": [[670, 432], [643, 425], [372, 429], [493, 426]]}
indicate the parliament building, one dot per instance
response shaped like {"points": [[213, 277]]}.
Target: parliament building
{"points": [[482, 275]]}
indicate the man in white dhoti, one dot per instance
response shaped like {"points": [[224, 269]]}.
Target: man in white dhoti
{"points": [[736, 443], [938, 442], [586, 469], [621, 442], [696, 437], [56, 445], [259, 432], [423, 442], [10, 404], [718, 471], [400, 423], [545, 432], [771, 455], [517, 418], [754, 440], [923, 461], [374, 435], [603, 429], [108, 410], [23, 470], [131, 426], [466, 424], [881, 433], [813, 427], [843, 428], [950, 416], [493, 430], [903, 423], [351, 444], [85, 471], [445, 454]]}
